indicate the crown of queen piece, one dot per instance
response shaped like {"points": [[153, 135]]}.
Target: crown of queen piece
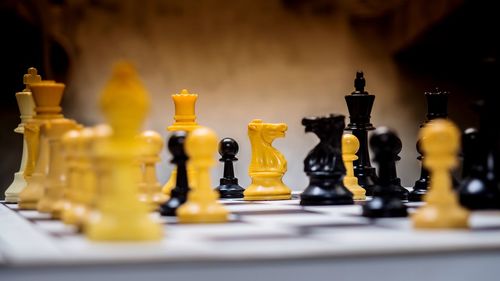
{"points": [[185, 117]]}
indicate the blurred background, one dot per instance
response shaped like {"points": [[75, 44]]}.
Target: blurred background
{"points": [[278, 60]]}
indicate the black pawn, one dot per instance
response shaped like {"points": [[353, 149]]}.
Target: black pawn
{"points": [[178, 195], [437, 107], [323, 165], [229, 188], [386, 201], [421, 185], [359, 104]]}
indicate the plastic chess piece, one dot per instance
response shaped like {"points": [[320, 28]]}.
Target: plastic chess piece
{"points": [[184, 120], [56, 174], [119, 215], [268, 165], [359, 104], [229, 187], [27, 109], [150, 188], [323, 165], [437, 107], [47, 96], [350, 146], [440, 144], [179, 193], [202, 205], [386, 201], [70, 145], [474, 191]]}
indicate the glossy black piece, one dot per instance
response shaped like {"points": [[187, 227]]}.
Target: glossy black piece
{"points": [[437, 107], [480, 189], [229, 188], [323, 165], [179, 193], [387, 194], [360, 104]]}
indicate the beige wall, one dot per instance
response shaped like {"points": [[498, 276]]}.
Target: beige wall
{"points": [[246, 60]]}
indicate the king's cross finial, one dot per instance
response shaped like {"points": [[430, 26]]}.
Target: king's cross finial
{"points": [[30, 78]]}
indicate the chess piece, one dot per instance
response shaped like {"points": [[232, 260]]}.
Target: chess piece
{"points": [[350, 146], [323, 165], [359, 104], [70, 142], [202, 205], [150, 188], [27, 109], [229, 187], [440, 144], [119, 215], [179, 193], [47, 96], [184, 120], [474, 191], [267, 165], [56, 174], [386, 201], [437, 107]]}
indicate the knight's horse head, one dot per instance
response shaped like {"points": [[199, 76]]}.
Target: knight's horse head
{"points": [[324, 127], [267, 131]]}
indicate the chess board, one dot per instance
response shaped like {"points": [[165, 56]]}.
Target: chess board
{"points": [[259, 231]]}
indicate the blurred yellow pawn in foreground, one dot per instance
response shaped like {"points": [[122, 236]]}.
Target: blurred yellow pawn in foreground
{"points": [[440, 144]]}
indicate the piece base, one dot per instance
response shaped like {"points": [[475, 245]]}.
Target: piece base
{"points": [[380, 207], [229, 191], [267, 197]]}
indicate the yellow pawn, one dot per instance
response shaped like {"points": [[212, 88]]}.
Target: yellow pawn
{"points": [[440, 144], [268, 165], [149, 187], [184, 120], [120, 216], [201, 205], [350, 145], [56, 175], [70, 142]]}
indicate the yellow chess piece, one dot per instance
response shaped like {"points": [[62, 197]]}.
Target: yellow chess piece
{"points": [[184, 120], [201, 205], [47, 96], [149, 187], [70, 142], [440, 144], [26, 106], [56, 175], [268, 165], [120, 216], [350, 145]]}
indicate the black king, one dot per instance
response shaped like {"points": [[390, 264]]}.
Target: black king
{"points": [[359, 104]]}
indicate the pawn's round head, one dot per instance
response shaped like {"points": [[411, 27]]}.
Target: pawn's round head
{"points": [[70, 141], [470, 139], [440, 139], [201, 144], [350, 144], [152, 140], [385, 144], [228, 147], [176, 143]]}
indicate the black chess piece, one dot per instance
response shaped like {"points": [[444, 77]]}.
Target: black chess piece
{"points": [[178, 195], [229, 188], [323, 165], [386, 201], [359, 104], [480, 185], [437, 107]]}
